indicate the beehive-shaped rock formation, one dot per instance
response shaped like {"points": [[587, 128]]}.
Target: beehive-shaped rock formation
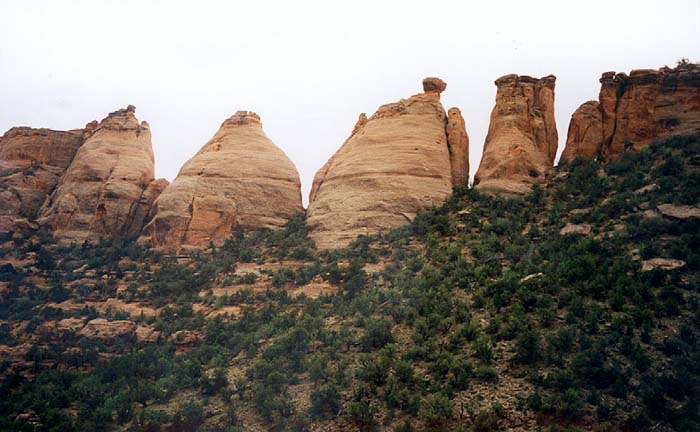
{"points": [[238, 179], [405, 157]]}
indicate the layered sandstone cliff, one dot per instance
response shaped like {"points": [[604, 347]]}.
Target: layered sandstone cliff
{"points": [[405, 157], [102, 193], [31, 163], [522, 139], [636, 109], [238, 179]]}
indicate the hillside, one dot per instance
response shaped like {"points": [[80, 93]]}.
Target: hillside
{"points": [[575, 307]]}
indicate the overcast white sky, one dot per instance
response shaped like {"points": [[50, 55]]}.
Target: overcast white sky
{"points": [[310, 67]]}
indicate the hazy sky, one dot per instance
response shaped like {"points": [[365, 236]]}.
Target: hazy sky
{"points": [[310, 67]]}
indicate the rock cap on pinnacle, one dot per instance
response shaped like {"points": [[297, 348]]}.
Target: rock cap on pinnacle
{"points": [[434, 84]]}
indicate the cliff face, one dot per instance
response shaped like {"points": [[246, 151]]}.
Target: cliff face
{"points": [[101, 191], [401, 159], [31, 163], [522, 139], [639, 108], [239, 178]]}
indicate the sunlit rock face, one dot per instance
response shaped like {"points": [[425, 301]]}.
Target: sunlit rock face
{"points": [[403, 158], [522, 139], [635, 110], [102, 191], [31, 163], [238, 179]]}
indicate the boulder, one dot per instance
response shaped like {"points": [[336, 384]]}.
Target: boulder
{"points": [[31, 163], [679, 211], [569, 228], [101, 191], [238, 179], [521, 143], [403, 158], [667, 264]]}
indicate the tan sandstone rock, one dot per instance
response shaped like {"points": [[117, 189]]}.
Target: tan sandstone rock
{"points": [[31, 163], [238, 179], [101, 191], [569, 228], [392, 165], [667, 264], [458, 145], [639, 108], [522, 139], [679, 211]]}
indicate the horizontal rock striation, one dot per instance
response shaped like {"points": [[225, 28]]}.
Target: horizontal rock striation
{"points": [[31, 163]]}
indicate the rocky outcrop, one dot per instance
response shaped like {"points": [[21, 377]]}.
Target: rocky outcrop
{"points": [[522, 139], [398, 161], [458, 145], [636, 109], [585, 132], [31, 163], [238, 179], [102, 191]]}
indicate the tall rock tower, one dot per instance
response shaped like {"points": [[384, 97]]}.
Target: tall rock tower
{"points": [[522, 139]]}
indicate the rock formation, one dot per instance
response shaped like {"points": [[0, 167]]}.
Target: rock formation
{"points": [[458, 145], [585, 132], [31, 163], [102, 193], [522, 139], [637, 109], [239, 178], [398, 161]]}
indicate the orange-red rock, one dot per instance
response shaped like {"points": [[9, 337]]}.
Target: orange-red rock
{"points": [[522, 139], [641, 107], [393, 164], [585, 132], [31, 163], [101, 191], [238, 179]]}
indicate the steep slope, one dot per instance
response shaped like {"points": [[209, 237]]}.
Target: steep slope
{"points": [[238, 179], [522, 139], [635, 110], [398, 161], [31, 163], [572, 308], [102, 189]]}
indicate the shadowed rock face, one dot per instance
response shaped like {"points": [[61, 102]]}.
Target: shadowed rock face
{"points": [[636, 109], [585, 133], [393, 164], [522, 140], [238, 179], [103, 188], [31, 163]]}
